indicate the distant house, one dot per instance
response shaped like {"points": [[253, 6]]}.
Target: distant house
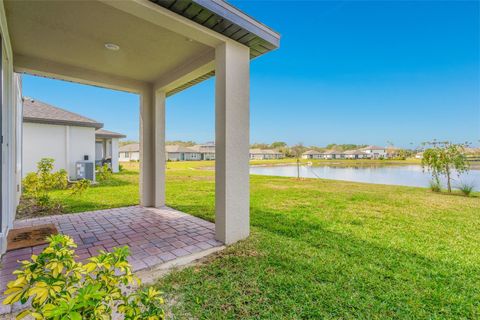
{"points": [[66, 137], [313, 154], [265, 154], [375, 152], [329, 154], [129, 152], [179, 153], [355, 154], [207, 150], [338, 154], [419, 155]]}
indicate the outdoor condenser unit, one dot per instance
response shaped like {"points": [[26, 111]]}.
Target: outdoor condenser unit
{"points": [[85, 170]]}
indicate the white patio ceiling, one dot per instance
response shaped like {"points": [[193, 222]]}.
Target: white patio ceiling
{"points": [[66, 39]]}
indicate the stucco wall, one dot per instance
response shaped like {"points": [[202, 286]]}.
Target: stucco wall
{"points": [[82, 142], [65, 144], [43, 141]]}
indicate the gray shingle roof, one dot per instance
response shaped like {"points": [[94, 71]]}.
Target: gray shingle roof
{"points": [[41, 112], [373, 148], [176, 148], [203, 148], [264, 151], [132, 147], [313, 152], [102, 133], [354, 152], [332, 152]]}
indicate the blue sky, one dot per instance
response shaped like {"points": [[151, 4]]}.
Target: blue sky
{"points": [[346, 72]]}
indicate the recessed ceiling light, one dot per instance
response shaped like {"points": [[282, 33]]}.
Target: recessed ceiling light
{"points": [[112, 46]]}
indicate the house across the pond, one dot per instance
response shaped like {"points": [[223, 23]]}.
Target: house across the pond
{"points": [[313, 154], [265, 154], [207, 150], [68, 138], [179, 153], [131, 152], [355, 154], [375, 152], [335, 154]]}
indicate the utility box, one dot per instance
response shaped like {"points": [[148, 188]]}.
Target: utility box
{"points": [[85, 170]]}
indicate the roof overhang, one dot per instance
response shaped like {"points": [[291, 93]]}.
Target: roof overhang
{"points": [[101, 135], [57, 122], [222, 17], [166, 44]]}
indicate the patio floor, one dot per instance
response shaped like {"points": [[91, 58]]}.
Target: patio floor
{"points": [[155, 236]]}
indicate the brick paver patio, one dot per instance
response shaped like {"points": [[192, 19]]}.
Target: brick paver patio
{"points": [[154, 236]]}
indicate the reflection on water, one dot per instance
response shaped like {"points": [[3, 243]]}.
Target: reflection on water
{"points": [[408, 175]]}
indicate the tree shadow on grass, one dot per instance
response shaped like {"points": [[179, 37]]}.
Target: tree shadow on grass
{"points": [[388, 280], [296, 269]]}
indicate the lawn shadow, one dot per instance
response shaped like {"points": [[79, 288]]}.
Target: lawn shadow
{"points": [[392, 279]]}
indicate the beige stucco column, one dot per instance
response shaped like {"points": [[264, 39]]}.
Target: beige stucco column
{"points": [[232, 95], [114, 154], [152, 148]]}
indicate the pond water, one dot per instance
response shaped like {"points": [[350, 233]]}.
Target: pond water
{"points": [[404, 175]]}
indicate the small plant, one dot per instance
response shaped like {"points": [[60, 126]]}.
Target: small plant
{"points": [[79, 187], [61, 288], [103, 173], [435, 185], [38, 185], [121, 168], [466, 188]]}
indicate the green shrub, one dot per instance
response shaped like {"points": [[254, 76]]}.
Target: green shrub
{"points": [[60, 179], [37, 185], [121, 168], [30, 184], [435, 185], [466, 188], [80, 186], [103, 173], [61, 288]]}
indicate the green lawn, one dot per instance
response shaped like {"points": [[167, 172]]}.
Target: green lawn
{"points": [[321, 249]]}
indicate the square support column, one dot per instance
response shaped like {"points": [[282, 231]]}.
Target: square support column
{"points": [[152, 148], [114, 154], [232, 128]]}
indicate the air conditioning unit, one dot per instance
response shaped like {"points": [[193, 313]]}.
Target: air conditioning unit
{"points": [[85, 170]]}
